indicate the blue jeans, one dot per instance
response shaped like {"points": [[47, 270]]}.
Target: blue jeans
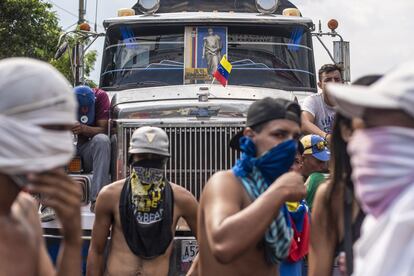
{"points": [[96, 158]]}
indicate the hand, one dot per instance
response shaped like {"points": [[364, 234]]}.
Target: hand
{"points": [[341, 259], [78, 128], [291, 186], [59, 192], [327, 138]]}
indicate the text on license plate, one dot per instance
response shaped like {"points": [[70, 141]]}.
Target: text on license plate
{"points": [[189, 249]]}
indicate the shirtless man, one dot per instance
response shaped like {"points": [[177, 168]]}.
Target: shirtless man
{"points": [[141, 213], [37, 111], [240, 215]]}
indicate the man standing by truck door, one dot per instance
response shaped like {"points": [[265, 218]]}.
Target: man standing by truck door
{"points": [[318, 112], [93, 142], [243, 224], [141, 212]]}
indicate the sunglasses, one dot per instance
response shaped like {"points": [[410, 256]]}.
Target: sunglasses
{"points": [[318, 147]]}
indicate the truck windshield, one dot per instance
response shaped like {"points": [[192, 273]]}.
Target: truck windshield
{"points": [[262, 56]]}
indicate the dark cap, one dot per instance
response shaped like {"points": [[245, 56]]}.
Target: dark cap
{"points": [[266, 110]]}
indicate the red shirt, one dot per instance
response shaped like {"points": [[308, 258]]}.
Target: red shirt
{"points": [[102, 105]]}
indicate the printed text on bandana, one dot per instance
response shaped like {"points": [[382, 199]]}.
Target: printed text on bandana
{"points": [[147, 189]]}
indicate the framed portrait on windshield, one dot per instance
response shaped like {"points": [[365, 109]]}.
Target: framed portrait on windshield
{"points": [[204, 47]]}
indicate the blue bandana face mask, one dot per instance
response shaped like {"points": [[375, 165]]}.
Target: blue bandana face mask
{"points": [[271, 164]]}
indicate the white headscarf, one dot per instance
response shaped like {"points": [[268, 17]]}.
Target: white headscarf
{"points": [[34, 94]]}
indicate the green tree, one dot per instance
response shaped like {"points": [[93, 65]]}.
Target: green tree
{"points": [[28, 28], [63, 64]]}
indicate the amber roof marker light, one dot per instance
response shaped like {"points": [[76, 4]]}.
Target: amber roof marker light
{"points": [[126, 12], [85, 27], [291, 12], [333, 25]]}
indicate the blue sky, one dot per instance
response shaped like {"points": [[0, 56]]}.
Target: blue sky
{"points": [[380, 31]]}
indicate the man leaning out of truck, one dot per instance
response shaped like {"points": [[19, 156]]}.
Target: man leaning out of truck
{"points": [[318, 111]]}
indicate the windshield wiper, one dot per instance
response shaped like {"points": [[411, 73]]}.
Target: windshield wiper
{"points": [[141, 84]]}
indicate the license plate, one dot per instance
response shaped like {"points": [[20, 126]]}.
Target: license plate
{"points": [[189, 249]]}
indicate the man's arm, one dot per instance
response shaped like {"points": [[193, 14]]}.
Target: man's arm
{"points": [[308, 126], [59, 192], [232, 230], [323, 237], [188, 206], [100, 232], [90, 131]]}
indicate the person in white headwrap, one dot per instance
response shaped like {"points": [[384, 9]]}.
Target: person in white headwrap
{"points": [[37, 111], [382, 158]]}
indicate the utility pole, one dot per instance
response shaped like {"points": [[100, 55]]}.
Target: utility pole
{"points": [[79, 51], [82, 11]]}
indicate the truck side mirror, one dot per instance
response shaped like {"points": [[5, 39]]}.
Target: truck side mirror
{"points": [[62, 49], [342, 58]]}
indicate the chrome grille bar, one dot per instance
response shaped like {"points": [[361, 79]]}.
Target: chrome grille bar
{"points": [[197, 152]]}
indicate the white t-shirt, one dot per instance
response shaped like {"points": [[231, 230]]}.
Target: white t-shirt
{"points": [[323, 113], [386, 245]]}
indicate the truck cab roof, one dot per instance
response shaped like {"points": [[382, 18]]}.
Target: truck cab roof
{"points": [[208, 18]]}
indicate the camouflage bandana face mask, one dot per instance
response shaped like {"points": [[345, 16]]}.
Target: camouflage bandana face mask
{"points": [[146, 209], [147, 185]]}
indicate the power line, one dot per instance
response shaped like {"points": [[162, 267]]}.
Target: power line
{"points": [[71, 13], [63, 9], [67, 28]]}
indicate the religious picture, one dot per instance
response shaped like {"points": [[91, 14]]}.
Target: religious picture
{"points": [[205, 46]]}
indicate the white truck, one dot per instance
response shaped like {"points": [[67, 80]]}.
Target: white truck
{"points": [[155, 66]]}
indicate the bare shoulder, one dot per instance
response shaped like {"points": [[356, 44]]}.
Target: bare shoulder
{"points": [[320, 214], [113, 189], [110, 193], [223, 187], [321, 197], [320, 201], [181, 195], [222, 180], [180, 191], [322, 191]]}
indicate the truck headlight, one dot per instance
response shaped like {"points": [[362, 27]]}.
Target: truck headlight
{"points": [[267, 6], [148, 6]]}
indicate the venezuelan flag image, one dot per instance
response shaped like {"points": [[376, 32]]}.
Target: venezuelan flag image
{"points": [[223, 71]]}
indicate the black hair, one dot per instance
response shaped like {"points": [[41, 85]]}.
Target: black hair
{"points": [[328, 68], [340, 165]]}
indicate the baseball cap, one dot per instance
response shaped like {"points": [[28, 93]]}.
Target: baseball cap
{"points": [[266, 110], [86, 104], [148, 139], [395, 90], [317, 146]]}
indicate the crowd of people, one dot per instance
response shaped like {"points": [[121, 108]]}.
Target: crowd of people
{"points": [[329, 184]]}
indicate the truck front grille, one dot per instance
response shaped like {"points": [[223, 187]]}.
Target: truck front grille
{"points": [[196, 154]]}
